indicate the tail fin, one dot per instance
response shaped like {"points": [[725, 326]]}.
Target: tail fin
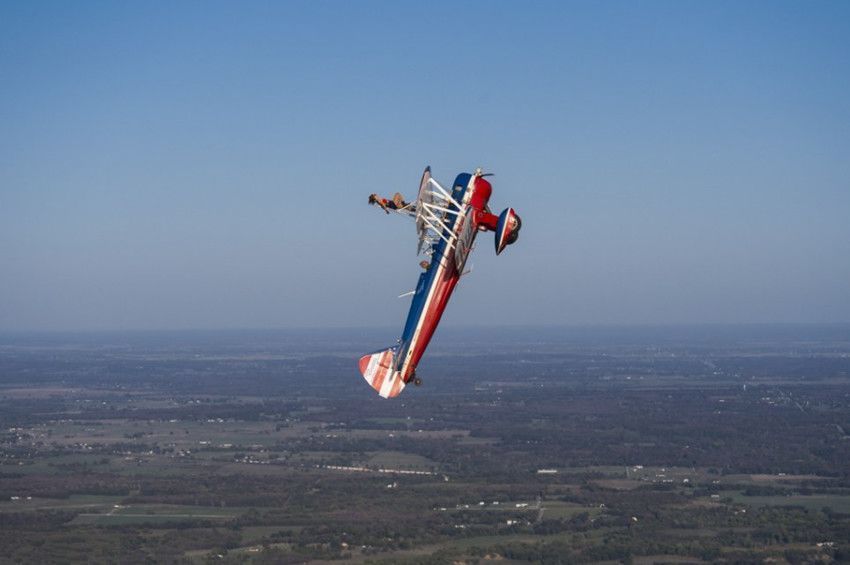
{"points": [[379, 371]]}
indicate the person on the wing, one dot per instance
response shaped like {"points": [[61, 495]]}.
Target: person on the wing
{"points": [[397, 203]]}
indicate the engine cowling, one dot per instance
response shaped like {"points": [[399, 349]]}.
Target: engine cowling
{"points": [[507, 229]]}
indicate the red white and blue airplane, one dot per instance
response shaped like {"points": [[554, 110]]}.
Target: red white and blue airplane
{"points": [[447, 223]]}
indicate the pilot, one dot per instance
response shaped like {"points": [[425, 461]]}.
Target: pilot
{"points": [[397, 203]]}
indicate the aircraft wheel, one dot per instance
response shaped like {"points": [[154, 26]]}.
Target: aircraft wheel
{"points": [[417, 381]]}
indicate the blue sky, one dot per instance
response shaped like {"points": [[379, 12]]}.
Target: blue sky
{"points": [[206, 164]]}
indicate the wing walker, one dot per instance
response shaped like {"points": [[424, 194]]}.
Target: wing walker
{"points": [[446, 223]]}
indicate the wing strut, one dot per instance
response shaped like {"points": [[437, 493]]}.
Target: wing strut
{"points": [[433, 204]]}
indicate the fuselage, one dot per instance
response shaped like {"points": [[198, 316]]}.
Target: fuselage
{"points": [[437, 283]]}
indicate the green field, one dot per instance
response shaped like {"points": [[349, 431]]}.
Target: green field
{"points": [[837, 503], [121, 514], [400, 460]]}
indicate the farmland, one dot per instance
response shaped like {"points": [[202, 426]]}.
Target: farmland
{"points": [[534, 445]]}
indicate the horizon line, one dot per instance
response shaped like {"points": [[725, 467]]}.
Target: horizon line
{"points": [[578, 325]]}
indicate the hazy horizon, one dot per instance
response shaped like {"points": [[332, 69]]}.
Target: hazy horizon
{"points": [[450, 332]]}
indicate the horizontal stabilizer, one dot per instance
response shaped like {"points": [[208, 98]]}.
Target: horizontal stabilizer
{"points": [[379, 371]]}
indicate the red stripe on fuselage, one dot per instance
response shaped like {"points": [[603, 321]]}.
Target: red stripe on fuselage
{"points": [[442, 292], [444, 284]]}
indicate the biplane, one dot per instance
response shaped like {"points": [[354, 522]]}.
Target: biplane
{"points": [[447, 222]]}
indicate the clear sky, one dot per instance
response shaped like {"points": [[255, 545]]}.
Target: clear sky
{"points": [[207, 164]]}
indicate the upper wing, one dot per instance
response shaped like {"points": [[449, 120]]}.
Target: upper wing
{"points": [[422, 197]]}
